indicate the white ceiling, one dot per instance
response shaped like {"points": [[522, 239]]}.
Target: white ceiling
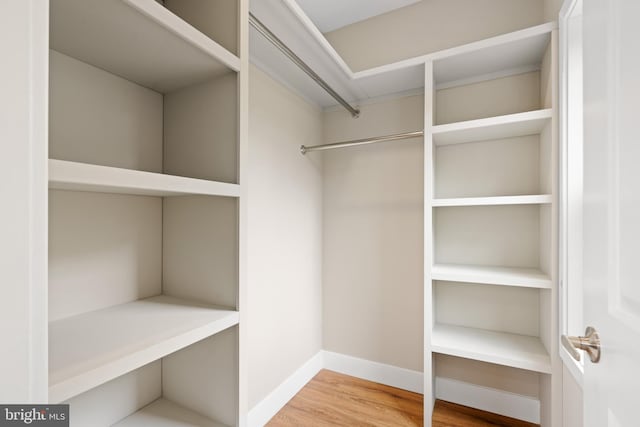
{"points": [[329, 15]]}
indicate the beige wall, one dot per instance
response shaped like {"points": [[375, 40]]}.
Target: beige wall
{"points": [[284, 228], [551, 9], [430, 26], [373, 236]]}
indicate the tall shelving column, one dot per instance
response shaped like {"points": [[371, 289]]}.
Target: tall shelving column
{"points": [[147, 211], [490, 228]]}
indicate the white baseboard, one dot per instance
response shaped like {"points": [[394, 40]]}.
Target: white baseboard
{"points": [[260, 414], [373, 371], [487, 399], [501, 402]]}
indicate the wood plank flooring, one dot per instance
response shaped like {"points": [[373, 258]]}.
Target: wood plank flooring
{"points": [[332, 399]]}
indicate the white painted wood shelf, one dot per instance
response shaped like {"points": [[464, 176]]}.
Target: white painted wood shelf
{"points": [[495, 57], [517, 351], [92, 348], [74, 176], [508, 276], [165, 413], [139, 40], [537, 199], [507, 126]]}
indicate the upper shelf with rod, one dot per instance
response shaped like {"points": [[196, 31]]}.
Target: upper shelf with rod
{"points": [[518, 52], [510, 53]]}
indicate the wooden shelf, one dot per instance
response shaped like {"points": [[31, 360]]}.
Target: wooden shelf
{"points": [[165, 413], [93, 348], [64, 175], [139, 40], [517, 351], [538, 199], [523, 277], [509, 126]]}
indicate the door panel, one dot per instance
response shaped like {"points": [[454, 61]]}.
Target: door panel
{"points": [[612, 208]]}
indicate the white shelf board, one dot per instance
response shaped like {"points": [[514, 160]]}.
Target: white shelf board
{"points": [[511, 51], [165, 413], [536, 199], [507, 276], [511, 125], [518, 351], [65, 175], [139, 40], [500, 56], [92, 348]]}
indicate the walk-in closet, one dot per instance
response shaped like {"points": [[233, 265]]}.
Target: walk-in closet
{"points": [[293, 213]]}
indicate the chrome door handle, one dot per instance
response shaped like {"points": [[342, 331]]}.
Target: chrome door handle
{"points": [[590, 343]]}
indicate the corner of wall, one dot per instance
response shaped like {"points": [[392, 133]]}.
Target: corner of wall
{"points": [[285, 240], [551, 8]]}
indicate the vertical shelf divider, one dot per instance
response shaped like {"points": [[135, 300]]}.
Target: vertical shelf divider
{"points": [[429, 185], [243, 152]]}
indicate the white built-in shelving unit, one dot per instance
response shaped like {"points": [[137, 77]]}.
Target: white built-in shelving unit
{"points": [[490, 209], [147, 135]]}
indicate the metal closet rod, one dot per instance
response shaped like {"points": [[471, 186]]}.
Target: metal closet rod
{"points": [[304, 149], [262, 29]]}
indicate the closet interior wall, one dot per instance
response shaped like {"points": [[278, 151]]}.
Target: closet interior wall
{"points": [[285, 239], [372, 234]]}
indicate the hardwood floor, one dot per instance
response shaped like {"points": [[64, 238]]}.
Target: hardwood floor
{"points": [[332, 399]]}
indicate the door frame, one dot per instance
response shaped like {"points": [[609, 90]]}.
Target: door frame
{"points": [[24, 37], [568, 179]]}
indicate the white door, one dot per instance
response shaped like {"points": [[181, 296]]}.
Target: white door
{"points": [[611, 257]]}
